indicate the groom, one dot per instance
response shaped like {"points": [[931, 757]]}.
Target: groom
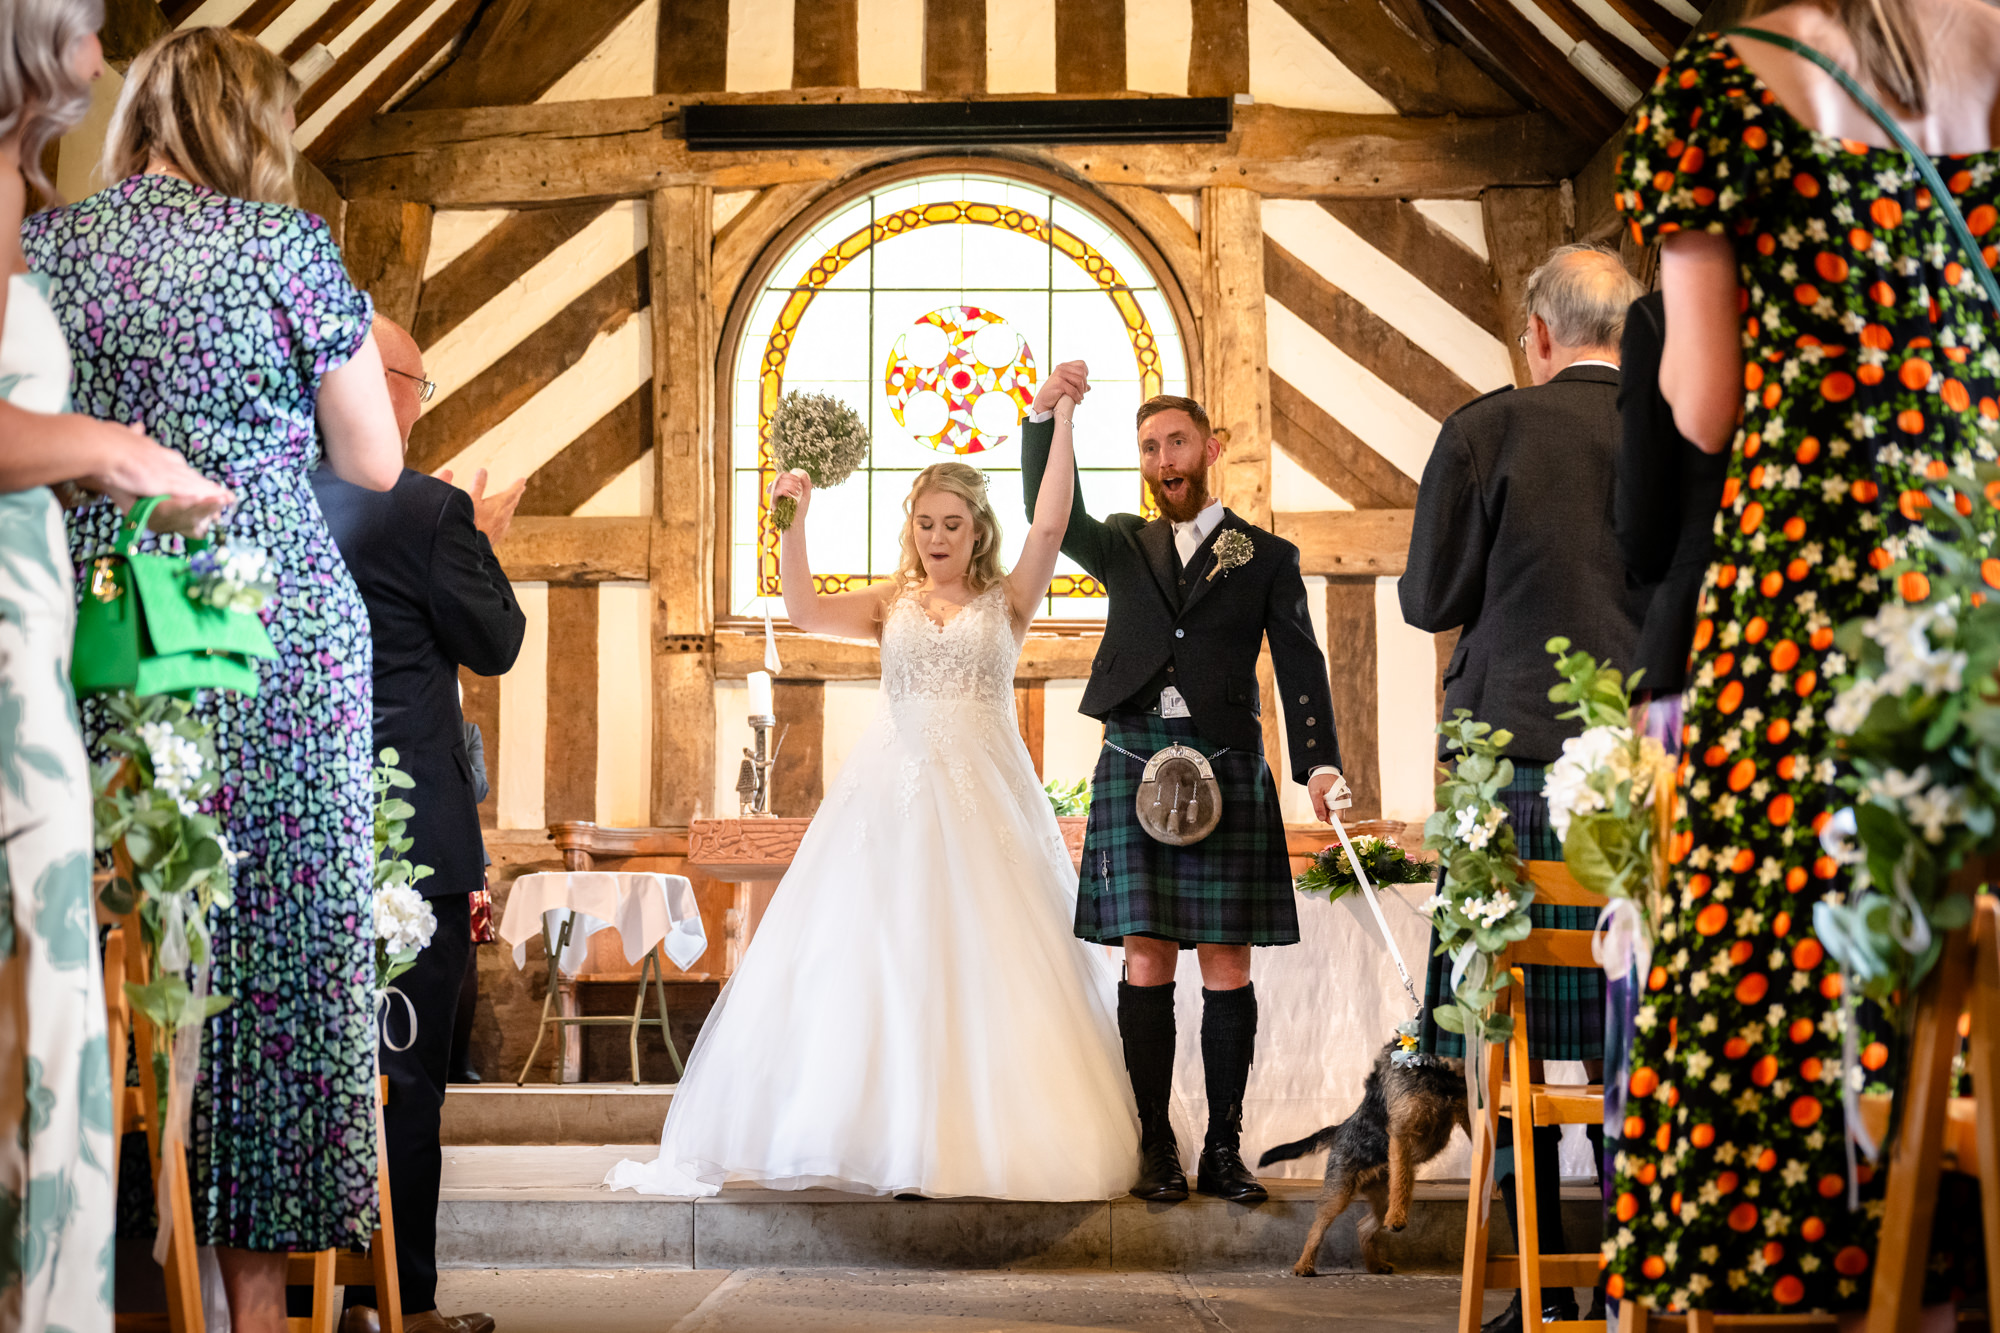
{"points": [[1191, 605]]}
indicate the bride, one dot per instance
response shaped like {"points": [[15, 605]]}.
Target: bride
{"points": [[915, 1014]]}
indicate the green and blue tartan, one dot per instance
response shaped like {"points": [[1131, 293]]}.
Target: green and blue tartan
{"points": [[1232, 887], [1565, 1004]]}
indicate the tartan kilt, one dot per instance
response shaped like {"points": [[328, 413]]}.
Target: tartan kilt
{"points": [[1565, 1004], [1232, 887]]}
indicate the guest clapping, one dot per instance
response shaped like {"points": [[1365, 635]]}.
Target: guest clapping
{"points": [[196, 298]]}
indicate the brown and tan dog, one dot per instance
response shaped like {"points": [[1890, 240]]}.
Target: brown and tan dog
{"points": [[1405, 1118]]}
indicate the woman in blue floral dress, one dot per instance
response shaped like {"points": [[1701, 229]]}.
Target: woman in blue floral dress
{"points": [[1823, 325], [197, 300]]}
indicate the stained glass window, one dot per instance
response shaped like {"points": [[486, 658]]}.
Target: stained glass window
{"points": [[933, 306]]}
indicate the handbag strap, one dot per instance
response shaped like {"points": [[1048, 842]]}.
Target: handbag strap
{"points": [[1918, 157], [134, 524]]}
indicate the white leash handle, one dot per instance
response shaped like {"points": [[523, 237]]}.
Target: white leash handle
{"points": [[1341, 797]]}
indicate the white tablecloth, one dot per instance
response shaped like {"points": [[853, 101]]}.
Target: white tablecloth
{"points": [[644, 908]]}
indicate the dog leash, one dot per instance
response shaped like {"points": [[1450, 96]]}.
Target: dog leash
{"points": [[1341, 797]]}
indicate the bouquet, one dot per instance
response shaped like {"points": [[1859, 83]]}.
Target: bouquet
{"points": [[231, 578], [1331, 877], [819, 437], [404, 921], [1068, 798]]}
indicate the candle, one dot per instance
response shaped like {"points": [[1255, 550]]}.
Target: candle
{"points": [[760, 694]]}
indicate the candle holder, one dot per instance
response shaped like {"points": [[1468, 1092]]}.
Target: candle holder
{"points": [[753, 779]]}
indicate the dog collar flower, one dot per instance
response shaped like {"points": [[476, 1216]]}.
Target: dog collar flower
{"points": [[1232, 549]]}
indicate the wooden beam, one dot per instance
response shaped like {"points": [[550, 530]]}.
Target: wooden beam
{"points": [[130, 26], [594, 459], [1399, 54], [1090, 48], [1219, 54], [385, 248], [394, 77], [1579, 26], [1522, 226], [1340, 542], [1351, 670], [534, 363], [1377, 345], [693, 47], [1444, 645], [576, 550], [1518, 45], [1421, 249], [1334, 454], [826, 46], [1663, 29], [681, 234], [332, 22], [739, 651], [453, 294], [1172, 234], [744, 237], [1235, 366], [954, 41], [318, 195], [350, 64], [547, 154], [516, 51], [569, 783], [798, 779], [1030, 706], [479, 701]]}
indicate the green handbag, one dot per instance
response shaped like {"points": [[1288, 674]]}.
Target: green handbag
{"points": [[138, 630]]}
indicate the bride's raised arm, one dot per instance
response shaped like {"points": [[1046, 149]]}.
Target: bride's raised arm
{"points": [[846, 615], [1028, 581]]}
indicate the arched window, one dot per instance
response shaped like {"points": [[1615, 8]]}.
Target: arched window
{"points": [[933, 305]]}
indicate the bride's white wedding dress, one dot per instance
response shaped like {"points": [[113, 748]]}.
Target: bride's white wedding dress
{"points": [[914, 1013]]}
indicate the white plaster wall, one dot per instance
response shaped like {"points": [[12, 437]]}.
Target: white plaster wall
{"points": [[77, 174], [1289, 67], [760, 45], [1406, 701], [891, 50], [1159, 36], [524, 716], [624, 704], [1071, 742], [1020, 46], [621, 66]]}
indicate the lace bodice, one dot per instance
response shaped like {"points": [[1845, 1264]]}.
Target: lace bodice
{"points": [[968, 659]]}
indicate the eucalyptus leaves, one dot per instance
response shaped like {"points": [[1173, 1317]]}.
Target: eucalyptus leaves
{"points": [[1481, 906], [150, 799], [819, 435], [404, 921]]}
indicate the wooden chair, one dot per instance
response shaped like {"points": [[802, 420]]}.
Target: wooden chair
{"points": [[1546, 1104]]}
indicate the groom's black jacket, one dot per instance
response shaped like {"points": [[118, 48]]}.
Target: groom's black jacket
{"points": [[1208, 630]]}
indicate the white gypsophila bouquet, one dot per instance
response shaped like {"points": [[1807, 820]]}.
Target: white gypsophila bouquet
{"points": [[404, 920], [819, 437], [231, 578]]}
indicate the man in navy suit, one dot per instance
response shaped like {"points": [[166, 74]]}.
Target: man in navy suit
{"points": [[438, 600]]}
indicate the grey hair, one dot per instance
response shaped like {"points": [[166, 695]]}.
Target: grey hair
{"points": [[1582, 293], [41, 98]]}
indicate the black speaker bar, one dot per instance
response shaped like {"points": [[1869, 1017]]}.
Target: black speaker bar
{"points": [[738, 128]]}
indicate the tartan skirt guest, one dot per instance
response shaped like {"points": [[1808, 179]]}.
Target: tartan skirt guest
{"points": [[1513, 544], [1194, 595]]}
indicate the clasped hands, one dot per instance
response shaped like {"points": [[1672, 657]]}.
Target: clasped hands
{"points": [[1071, 379]]}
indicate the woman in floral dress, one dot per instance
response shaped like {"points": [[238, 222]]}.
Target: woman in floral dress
{"points": [[1812, 285], [200, 302]]}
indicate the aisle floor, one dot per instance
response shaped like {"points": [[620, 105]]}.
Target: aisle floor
{"points": [[765, 1300]]}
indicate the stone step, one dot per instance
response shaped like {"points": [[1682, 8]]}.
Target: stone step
{"points": [[584, 1114], [544, 1207]]}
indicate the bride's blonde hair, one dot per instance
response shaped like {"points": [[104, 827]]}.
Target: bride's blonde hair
{"points": [[969, 485]]}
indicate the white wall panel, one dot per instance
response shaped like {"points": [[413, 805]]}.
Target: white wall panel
{"points": [[1464, 219], [456, 230], [627, 495], [365, 77], [621, 66], [624, 704], [1387, 422], [1159, 37], [1406, 675], [1020, 46], [891, 53], [295, 18], [524, 716], [1290, 67], [1070, 741], [850, 706], [1295, 490], [77, 174], [760, 45], [732, 734]]}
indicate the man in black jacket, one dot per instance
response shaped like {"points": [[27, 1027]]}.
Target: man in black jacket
{"points": [[437, 600], [1513, 546], [1194, 595]]}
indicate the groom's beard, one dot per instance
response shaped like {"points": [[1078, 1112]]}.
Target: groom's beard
{"points": [[1193, 497]]}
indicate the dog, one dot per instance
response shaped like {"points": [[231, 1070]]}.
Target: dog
{"points": [[1405, 1118]]}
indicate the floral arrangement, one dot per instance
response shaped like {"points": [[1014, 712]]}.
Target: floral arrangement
{"points": [[1406, 1052], [149, 798], [1601, 796], [1481, 906], [404, 921], [1233, 550], [1331, 877], [1069, 799], [1918, 721], [818, 436], [231, 578]]}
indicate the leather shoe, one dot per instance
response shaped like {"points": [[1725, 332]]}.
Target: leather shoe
{"points": [[1160, 1176], [466, 1076], [1223, 1174], [430, 1321], [1554, 1307], [360, 1319]]}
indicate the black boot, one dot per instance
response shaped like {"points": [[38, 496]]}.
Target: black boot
{"points": [[1228, 1041], [1146, 1024]]}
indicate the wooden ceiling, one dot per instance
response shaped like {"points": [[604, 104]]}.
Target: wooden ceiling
{"points": [[1581, 61]]}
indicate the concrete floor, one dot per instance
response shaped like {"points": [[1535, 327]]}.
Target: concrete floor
{"points": [[753, 1300]]}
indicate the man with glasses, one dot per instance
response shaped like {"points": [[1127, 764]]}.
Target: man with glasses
{"points": [[422, 555]]}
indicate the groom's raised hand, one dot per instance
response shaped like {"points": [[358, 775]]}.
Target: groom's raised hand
{"points": [[1071, 378]]}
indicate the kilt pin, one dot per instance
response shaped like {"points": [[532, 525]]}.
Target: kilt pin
{"points": [[1193, 626]]}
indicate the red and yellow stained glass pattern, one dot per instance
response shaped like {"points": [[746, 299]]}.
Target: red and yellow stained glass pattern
{"points": [[941, 373]]}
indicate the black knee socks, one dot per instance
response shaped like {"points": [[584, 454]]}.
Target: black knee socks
{"points": [[1228, 1044], [1146, 1027]]}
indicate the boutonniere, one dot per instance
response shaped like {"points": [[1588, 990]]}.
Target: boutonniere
{"points": [[1232, 549]]}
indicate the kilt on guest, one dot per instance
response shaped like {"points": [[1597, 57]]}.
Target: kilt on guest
{"points": [[1512, 546], [1194, 596]]}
